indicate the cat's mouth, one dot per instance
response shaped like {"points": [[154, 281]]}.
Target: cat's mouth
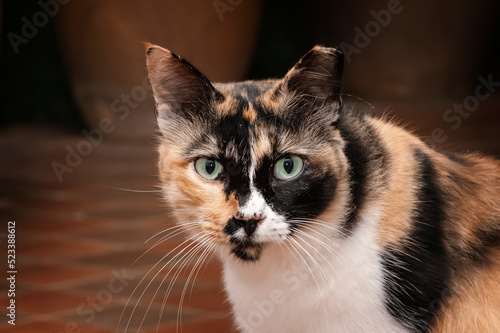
{"points": [[246, 250]]}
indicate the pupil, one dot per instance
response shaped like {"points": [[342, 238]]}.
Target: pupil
{"points": [[210, 166], [288, 165]]}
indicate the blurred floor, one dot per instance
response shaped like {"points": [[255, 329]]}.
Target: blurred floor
{"points": [[79, 241]]}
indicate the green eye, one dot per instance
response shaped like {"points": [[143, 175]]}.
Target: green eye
{"points": [[208, 168], [288, 167]]}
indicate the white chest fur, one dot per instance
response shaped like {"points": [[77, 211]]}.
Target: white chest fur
{"points": [[339, 290]]}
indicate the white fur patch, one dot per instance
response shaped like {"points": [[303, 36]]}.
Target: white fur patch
{"points": [[273, 226], [337, 287]]}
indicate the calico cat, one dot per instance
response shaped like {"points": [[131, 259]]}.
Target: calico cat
{"points": [[326, 219]]}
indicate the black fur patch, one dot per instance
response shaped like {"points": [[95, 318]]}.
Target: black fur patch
{"points": [[364, 153], [306, 196], [235, 224], [246, 252], [235, 130], [418, 273]]}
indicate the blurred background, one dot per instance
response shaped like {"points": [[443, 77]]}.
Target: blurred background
{"points": [[77, 131]]}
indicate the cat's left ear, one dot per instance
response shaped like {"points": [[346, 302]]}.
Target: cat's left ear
{"points": [[317, 76], [178, 87]]}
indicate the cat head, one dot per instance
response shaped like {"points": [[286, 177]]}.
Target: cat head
{"points": [[245, 165]]}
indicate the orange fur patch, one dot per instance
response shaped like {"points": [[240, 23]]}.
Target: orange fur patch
{"points": [[263, 145], [475, 304], [195, 199], [473, 198], [395, 221], [250, 115]]}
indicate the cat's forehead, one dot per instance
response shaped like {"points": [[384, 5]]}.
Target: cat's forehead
{"points": [[250, 90], [259, 117], [249, 99]]}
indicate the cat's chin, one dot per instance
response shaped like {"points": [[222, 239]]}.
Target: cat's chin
{"points": [[246, 251]]}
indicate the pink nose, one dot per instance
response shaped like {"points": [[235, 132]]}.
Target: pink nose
{"points": [[255, 216]]}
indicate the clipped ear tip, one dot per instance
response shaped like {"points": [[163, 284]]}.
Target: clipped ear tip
{"points": [[327, 50], [148, 47], [152, 48]]}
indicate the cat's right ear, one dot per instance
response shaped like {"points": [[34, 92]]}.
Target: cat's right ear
{"points": [[178, 86], [317, 76]]}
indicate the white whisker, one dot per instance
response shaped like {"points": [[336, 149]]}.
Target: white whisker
{"points": [[184, 261], [175, 233], [194, 270], [163, 239], [188, 254], [179, 226], [140, 282], [135, 191]]}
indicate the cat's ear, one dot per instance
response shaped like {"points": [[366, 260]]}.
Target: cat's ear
{"points": [[317, 76], [177, 85]]}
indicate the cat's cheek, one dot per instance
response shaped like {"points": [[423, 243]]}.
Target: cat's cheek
{"points": [[216, 213], [195, 199]]}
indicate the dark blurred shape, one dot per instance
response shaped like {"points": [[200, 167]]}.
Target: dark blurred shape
{"points": [[101, 43], [34, 81], [412, 50], [395, 50]]}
